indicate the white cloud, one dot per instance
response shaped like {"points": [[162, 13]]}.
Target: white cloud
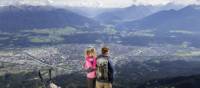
{"points": [[98, 3], [151, 2], [186, 2]]}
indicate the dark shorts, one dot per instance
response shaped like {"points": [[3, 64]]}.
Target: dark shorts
{"points": [[91, 83]]}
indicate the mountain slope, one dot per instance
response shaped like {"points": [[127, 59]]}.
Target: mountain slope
{"points": [[177, 82], [36, 17], [125, 14], [89, 12], [183, 19]]}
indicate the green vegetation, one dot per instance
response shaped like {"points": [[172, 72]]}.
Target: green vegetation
{"points": [[38, 35], [145, 33], [17, 35], [45, 39], [38, 39], [110, 31], [57, 32], [5, 53], [182, 31], [189, 53], [49, 35]]}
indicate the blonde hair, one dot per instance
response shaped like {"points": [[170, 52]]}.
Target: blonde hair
{"points": [[93, 52], [87, 52]]}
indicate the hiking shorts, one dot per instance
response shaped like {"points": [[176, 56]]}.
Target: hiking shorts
{"points": [[103, 85]]}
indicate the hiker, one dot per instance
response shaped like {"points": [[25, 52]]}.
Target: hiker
{"points": [[90, 66], [104, 70]]}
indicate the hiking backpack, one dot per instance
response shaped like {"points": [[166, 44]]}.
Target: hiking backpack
{"points": [[102, 69]]}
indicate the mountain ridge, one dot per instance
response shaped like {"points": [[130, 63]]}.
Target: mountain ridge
{"points": [[183, 19], [38, 17]]}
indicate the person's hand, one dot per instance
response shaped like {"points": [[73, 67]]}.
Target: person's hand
{"points": [[90, 69]]}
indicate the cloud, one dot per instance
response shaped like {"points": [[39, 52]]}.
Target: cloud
{"points": [[150, 2], [186, 2], [98, 3]]}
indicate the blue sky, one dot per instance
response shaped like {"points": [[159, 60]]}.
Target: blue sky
{"points": [[98, 3]]}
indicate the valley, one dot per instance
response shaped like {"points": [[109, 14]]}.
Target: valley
{"points": [[149, 45]]}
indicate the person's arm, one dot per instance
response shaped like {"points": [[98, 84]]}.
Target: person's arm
{"points": [[111, 71], [89, 68]]}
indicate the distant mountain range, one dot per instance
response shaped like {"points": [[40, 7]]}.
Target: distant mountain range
{"points": [[125, 14], [120, 15], [14, 18], [184, 19], [88, 11]]}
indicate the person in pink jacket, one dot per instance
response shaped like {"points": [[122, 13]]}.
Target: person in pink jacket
{"points": [[90, 67]]}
